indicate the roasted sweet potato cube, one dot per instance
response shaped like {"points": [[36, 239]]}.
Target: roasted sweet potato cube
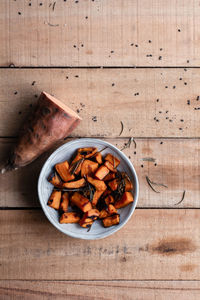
{"points": [[69, 217], [110, 166], [109, 177], [74, 184], [98, 158], [63, 171], [54, 199], [111, 220], [89, 216], [54, 179], [111, 209], [76, 163], [113, 184], [87, 152], [88, 167], [101, 172], [112, 159], [86, 224], [103, 214], [96, 197], [106, 193], [109, 199], [126, 199], [98, 184], [128, 185], [81, 202], [64, 203]]}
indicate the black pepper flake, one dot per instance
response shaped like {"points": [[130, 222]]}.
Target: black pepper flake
{"points": [[82, 45], [78, 111], [166, 111], [166, 87], [113, 84], [179, 30], [180, 78], [74, 46], [174, 87], [155, 164], [154, 118], [150, 41], [157, 120], [180, 128], [111, 51], [76, 1], [136, 45], [188, 61], [41, 4], [181, 120], [185, 83], [67, 77], [161, 143], [161, 49], [170, 120], [81, 104], [136, 94], [197, 108], [157, 100], [160, 112], [167, 118], [19, 13], [15, 93], [33, 82], [86, 17], [76, 76], [132, 44], [185, 70], [36, 96], [188, 102], [149, 55], [160, 57], [197, 98], [94, 119], [29, 4], [134, 152], [142, 166], [129, 157], [19, 112]]}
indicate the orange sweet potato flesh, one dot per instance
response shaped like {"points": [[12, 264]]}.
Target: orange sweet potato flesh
{"points": [[113, 184], [111, 209], [112, 159], [96, 197], [109, 199], [64, 203], [110, 166], [63, 170], [81, 202], [48, 124], [101, 172], [89, 217], [128, 185], [74, 184], [88, 167], [112, 220], [98, 158], [98, 184], [126, 199], [78, 157], [103, 214], [109, 177], [55, 179], [54, 200], [69, 217]]}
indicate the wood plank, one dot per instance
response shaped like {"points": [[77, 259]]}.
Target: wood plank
{"points": [[104, 290], [98, 92], [103, 33], [172, 167], [154, 239]]}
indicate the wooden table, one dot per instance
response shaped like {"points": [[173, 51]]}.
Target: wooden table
{"points": [[135, 62]]}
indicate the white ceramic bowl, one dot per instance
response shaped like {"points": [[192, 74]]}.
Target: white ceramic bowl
{"points": [[45, 188]]}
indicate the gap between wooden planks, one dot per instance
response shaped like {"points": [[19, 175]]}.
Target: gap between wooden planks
{"points": [[149, 102], [94, 290], [176, 165], [152, 240], [103, 33]]}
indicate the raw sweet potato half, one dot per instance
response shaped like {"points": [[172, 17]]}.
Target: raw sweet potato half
{"points": [[90, 187]]}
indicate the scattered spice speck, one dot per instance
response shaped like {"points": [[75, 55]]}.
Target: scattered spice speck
{"points": [[113, 84], [157, 100], [179, 30], [136, 45], [161, 143], [185, 83], [142, 166], [33, 82], [161, 49], [76, 76], [78, 111], [15, 93], [166, 87], [19, 112], [19, 13], [174, 87], [180, 78], [132, 44], [160, 57], [188, 102], [94, 119]]}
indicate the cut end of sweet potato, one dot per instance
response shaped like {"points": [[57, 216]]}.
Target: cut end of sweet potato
{"points": [[98, 184], [109, 199], [64, 203], [54, 200], [63, 171], [88, 167], [110, 166], [96, 197], [101, 172], [126, 199], [98, 158], [113, 160], [113, 184], [81, 202], [111, 220], [109, 177], [69, 217]]}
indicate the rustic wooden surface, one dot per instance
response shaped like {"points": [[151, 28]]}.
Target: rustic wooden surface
{"points": [[135, 62]]}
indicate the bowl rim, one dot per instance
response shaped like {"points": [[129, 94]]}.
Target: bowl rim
{"points": [[132, 170]]}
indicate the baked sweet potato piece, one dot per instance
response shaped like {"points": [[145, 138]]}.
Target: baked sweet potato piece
{"points": [[128, 185], [64, 203], [63, 171], [110, 166], [109, 177], [87, 152], [96, 197], [88, 167], [109, 199], [81, 202], [76, 163], [103, 214], [111, 220], [101, 172], [126, 199], [113, 184], [89, 217], [113, 160], [50, 122], [98, 158], [106, 193], [54, 200], [98, 184], [54, 179], [111, 209], [69, 217], [74, 184]]}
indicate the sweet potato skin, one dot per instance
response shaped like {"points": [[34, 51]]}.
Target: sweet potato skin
{"points": [[126, 199], [111, 220], [89, 217], [69, 217], [49, 123]]}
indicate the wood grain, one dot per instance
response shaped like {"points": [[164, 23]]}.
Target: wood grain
{"points": [[100, 33], [104, 290], [172, 166], [110, 95], [153, 240]]}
